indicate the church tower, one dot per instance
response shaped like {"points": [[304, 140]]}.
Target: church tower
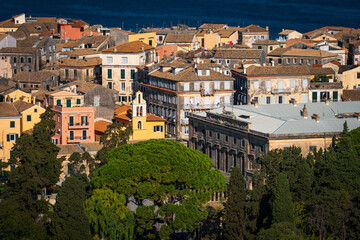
{"points": [[139, 111]]}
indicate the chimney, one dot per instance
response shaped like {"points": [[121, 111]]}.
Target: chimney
{"points": [[304, 112], [283, 29], [316, 117], [267, 28]]}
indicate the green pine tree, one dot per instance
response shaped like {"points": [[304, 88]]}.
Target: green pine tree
{"points": [[69, 220], [234, 219], [283, 208]]}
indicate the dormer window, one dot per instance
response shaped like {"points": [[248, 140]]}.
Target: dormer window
{"points": [[203, 72]]}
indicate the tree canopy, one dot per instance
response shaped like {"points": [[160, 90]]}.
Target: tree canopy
{"points": [[165, 183]]}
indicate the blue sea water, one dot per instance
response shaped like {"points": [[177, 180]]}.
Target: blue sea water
{"points": [[304, 15]]}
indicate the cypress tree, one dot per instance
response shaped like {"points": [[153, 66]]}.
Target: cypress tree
{"points": [[283, 208], [234, 219], [69, 220]]}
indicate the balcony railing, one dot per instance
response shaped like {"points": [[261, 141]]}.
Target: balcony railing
{"points": [[200, 106], [82, 124], [77, 138], [280, 90], [326, 85], [204, 92]]}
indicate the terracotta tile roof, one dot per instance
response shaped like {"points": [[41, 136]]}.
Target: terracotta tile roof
{"points": [[287, 32], [130, 47], [212, 26], [326, 29], [125, 113], [123, 31], [69, 44], [307, 42], [321, 71], [40, 95], [301, 52], [31, 41], [88, 62], [79, 52], [22, 106], [2, 36], [68, 149], [266, 42], [17, 50], [122, 110], [90, 147], [225, 33], [34, 77], [179, 38], [29, 29], [188, 74], [253, 28], [238, 53], [234, 46], [335, 62], [4, 88], [101, 126], [8, 109], [153, 118], [351, 95], [80, 22], [95, 40], [84, 87], [276, 70]]}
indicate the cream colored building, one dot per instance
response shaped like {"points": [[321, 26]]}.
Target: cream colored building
{"points": [[119, 67], [350, 78], [287, 34]]}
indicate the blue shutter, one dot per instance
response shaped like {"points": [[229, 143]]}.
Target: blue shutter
{"points": [[271, 100]]}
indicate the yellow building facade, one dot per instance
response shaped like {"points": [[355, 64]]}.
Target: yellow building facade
{"points": [[148, 38], [30, 114], [14, 95], [145, 126], [10, 129]]}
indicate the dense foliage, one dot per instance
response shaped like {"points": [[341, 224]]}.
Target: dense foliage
{"points": [[22, 215], [324, 188], [69, 220], [164, 183], [234, 218]]}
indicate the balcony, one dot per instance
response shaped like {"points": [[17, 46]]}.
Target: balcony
{"points": [[205, 93], [78, 125], [280, 90], [325, 85], [200, 106], [78, 138]]}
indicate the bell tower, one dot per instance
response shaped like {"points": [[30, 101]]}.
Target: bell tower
{"points": [[139, 105]]}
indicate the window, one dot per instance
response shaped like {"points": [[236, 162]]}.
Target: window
{"points": [[71, 121], [22, 59], [123, 86], [109, 73], [216, 85], [139, 125], [71, 135], [227, 85], [314, 97], [160, 38], [304, 83], [15, 59], [259, 47], [67, 72], [271, 48], [268, 84], [12, 137], [312, 149], [335, 96], [295, 61], [124, 60], [158, 128], [256, 84], [75, 73], [186, 86], [12, 124], [358, 75], [15, 71], [68, 102], [87, 72], [28, 118], [84, 121], [292, 83], [227, 61], [109, 59], [78, 101], [280, 99], [122, 73], [234, 140], [132, 74], [226, 138], [288, 60], [196, 86], [268, 100], [29, 60], [218, 136], [35, 110], [150, 42], [110, 85], [301, 61], [58, 102], [308, 62]]}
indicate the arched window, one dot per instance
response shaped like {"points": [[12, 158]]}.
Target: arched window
{"points": [[139, 98], [141, 111], [137, 111], [139, 125]]}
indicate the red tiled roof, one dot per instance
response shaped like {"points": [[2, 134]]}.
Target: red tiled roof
{"points": [[101, 126]]}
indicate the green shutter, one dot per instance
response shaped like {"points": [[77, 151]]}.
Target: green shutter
{"points": [[8, 138], [122, 73], [335, 96], [58, 102], [78, 101], [154, 128], [68, 103], [109, 73], [132, 74], [314, 97], [161, 128], [16, 136]]}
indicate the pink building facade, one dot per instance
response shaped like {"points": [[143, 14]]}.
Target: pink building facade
{"points": [[74, 121]]}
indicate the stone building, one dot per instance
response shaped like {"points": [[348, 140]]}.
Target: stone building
{"points": [[178, 88], [45, 45], [119, 67], [35, 81], [248, 35], [239, 136], [296, 56]]}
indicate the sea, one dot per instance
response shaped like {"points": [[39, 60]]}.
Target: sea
{"points": [[300, 15]]}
